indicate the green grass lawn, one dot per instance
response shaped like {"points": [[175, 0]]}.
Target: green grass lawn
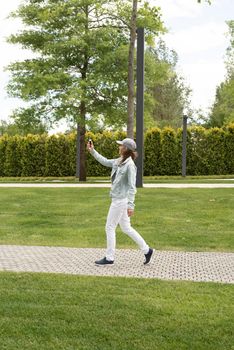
{"points": [[146, 179], [53, 312], [176, 219]]}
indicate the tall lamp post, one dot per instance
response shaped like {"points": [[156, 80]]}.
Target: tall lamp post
{"points": [[140, 105], [184, 141]]}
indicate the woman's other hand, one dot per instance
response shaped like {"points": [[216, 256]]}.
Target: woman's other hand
{"points": [[130, 212]]}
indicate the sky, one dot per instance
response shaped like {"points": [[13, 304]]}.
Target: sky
{"points": [[197, 32], [199, 35]]}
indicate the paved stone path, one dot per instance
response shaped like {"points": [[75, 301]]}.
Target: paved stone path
{"points": [[168, 265], [107, 185]]}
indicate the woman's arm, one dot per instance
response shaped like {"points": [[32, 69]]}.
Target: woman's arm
{"points": [[104, 161], [132, 186]]}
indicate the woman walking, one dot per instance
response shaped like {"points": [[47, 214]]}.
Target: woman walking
{"points": [[122, 193]]}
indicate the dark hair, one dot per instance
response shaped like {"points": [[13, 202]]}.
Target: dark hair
{"points": [[128, 153]]}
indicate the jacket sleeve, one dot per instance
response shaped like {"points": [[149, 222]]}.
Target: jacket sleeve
{"points": [[132, 186], [104, 161]]}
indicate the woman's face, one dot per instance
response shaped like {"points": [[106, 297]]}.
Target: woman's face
{"points": [[122, 149]]}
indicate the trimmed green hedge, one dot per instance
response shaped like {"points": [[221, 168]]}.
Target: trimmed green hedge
{"points": [[209, 152]]}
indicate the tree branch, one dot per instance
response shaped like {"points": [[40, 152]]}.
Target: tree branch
{"points": [[107, 26]]}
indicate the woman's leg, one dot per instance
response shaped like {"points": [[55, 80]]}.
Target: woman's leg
{"points": [[116, 210], [125, 225]]}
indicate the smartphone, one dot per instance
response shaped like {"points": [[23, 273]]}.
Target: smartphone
{"points": [[90, 142]]}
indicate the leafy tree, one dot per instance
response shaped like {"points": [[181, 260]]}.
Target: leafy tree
{"points": [[230, 51], [75, 74], [222, 111], [151, 20], [16, 127], [80, 67], [166, 93], [134, 23], [8, 128]]}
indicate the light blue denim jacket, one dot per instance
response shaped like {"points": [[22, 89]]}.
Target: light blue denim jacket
{"points": [[124, 175]]}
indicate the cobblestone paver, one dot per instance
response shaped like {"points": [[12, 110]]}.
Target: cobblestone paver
{"points": [[168, 265]]}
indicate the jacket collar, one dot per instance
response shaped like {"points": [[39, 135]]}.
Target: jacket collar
{"points": [[126, 160]]}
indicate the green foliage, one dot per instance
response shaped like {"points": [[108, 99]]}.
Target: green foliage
{"points": [[229, 148], [215, 139], [12, 165], [81, 58], [153, 152], [209, 152], [33, 155], [223, 109], [3, 145], [8, 128], [57, 156], [169, 155], [222, 112], [230, 50], [196, 151], [22, 124], [166, 94]]}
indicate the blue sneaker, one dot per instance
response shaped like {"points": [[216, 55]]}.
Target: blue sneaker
{"points": [[104, 262]]}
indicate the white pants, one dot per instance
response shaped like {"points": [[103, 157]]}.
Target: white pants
{"points": [[118, 215]]}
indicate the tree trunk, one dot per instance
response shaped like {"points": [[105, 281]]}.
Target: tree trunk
{"points": [[81, 155], [81, 145], [131, 95]]}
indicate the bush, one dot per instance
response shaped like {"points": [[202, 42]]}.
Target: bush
{"points": [[153, 152], [209, 152], [3, 145], [229, 149], [170, 159], [12, 164], [33, 155]]}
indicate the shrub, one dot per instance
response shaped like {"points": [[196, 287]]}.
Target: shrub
{"points": [[209, 152]]}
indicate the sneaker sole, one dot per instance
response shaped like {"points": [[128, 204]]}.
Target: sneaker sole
{"points": [[104, 265]]}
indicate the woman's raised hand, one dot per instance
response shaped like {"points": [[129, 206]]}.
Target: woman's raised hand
{"points": [[90, 145]]}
